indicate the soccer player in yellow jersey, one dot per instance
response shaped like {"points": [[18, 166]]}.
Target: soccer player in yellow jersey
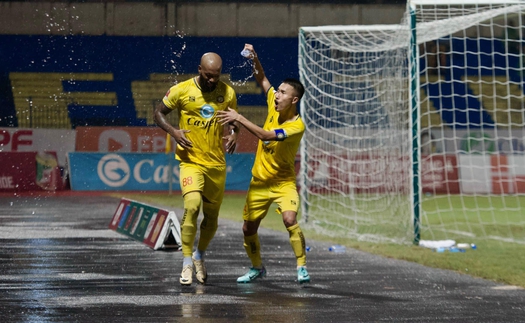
{"points": [[200, 150], [273, 172]]}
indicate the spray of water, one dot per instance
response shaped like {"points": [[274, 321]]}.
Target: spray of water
{"points": [[177, 53], [243, 66]]}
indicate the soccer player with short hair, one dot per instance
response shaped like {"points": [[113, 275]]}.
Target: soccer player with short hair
{"points": [[200, 151], [273, 172]]}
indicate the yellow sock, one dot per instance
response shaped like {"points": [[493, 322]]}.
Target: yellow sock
{"points": [[253, 249], [192, 202], [298, 244], [208, 227]]}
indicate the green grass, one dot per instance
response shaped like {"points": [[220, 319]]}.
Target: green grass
{"points": [[471, 211], [497, 261]]}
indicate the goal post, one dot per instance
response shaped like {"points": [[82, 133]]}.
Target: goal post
{"points": [[357, 131], [416, 130]]}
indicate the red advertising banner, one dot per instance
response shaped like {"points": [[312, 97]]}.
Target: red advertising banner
{"points": [[30, 171], [439, 174], [60, 141], [358, 173], [138, 139], [377, 174], [507, 174]]}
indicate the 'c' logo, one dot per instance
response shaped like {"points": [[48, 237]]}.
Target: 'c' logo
{"points": [[113, 170], [207, 111]]}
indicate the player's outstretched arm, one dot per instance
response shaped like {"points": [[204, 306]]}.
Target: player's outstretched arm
{"points": [[259, 75], [231, 115]]}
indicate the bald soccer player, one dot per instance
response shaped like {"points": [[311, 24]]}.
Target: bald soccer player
{"points": [[200, 150]]}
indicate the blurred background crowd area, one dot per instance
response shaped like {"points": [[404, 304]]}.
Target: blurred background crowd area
{"points": [[107, 63]]}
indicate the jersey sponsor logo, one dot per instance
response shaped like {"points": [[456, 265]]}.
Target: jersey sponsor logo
{"points": [[207, 111], [202, 124], [191, 98]]}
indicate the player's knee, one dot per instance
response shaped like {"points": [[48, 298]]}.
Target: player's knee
{"points": [[289, 219], [250, 228], [209, 223], [192, 204], [212, 225]]}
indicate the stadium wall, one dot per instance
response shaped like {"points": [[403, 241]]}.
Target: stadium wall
{"points": [[197, 19], [88, 56], [75, 80]]}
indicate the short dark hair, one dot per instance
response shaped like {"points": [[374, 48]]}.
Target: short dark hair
{"points": [[297, 86]]}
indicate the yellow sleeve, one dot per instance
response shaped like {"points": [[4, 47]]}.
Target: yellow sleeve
{"points": [[233, 99], [270, 99], [293, 128], [171, 99]]}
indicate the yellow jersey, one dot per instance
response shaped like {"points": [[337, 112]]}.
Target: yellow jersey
{"points": [[275, 160], [197, 112]]}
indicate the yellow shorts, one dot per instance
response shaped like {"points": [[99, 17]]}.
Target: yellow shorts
{"points": [[208, 180], [261, 195]]}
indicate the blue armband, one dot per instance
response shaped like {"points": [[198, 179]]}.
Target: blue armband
{"points": [[281, 135]]}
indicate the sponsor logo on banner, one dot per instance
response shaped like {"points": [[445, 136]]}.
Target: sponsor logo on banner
{"points": [[121, 139], [126, 171], [15, 140], [136, 139], [114, 140], [113, 170], [139, 171]]}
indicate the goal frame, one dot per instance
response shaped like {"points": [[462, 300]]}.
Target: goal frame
{"points": [[408, 28]]}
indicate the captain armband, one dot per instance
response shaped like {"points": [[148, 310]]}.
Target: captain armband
{"points": [[281, 135]]}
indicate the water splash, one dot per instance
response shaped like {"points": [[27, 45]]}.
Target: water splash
{"points": [[242, 82], [177, 53]]}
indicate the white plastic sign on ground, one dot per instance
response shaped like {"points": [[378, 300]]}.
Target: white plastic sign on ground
{"points": [[157, 228]]}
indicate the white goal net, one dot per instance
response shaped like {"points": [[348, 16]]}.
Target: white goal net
{"points": [[416, 131]]}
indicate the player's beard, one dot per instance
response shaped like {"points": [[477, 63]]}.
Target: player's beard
{"points": [[206, 86], [210, 86]]}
